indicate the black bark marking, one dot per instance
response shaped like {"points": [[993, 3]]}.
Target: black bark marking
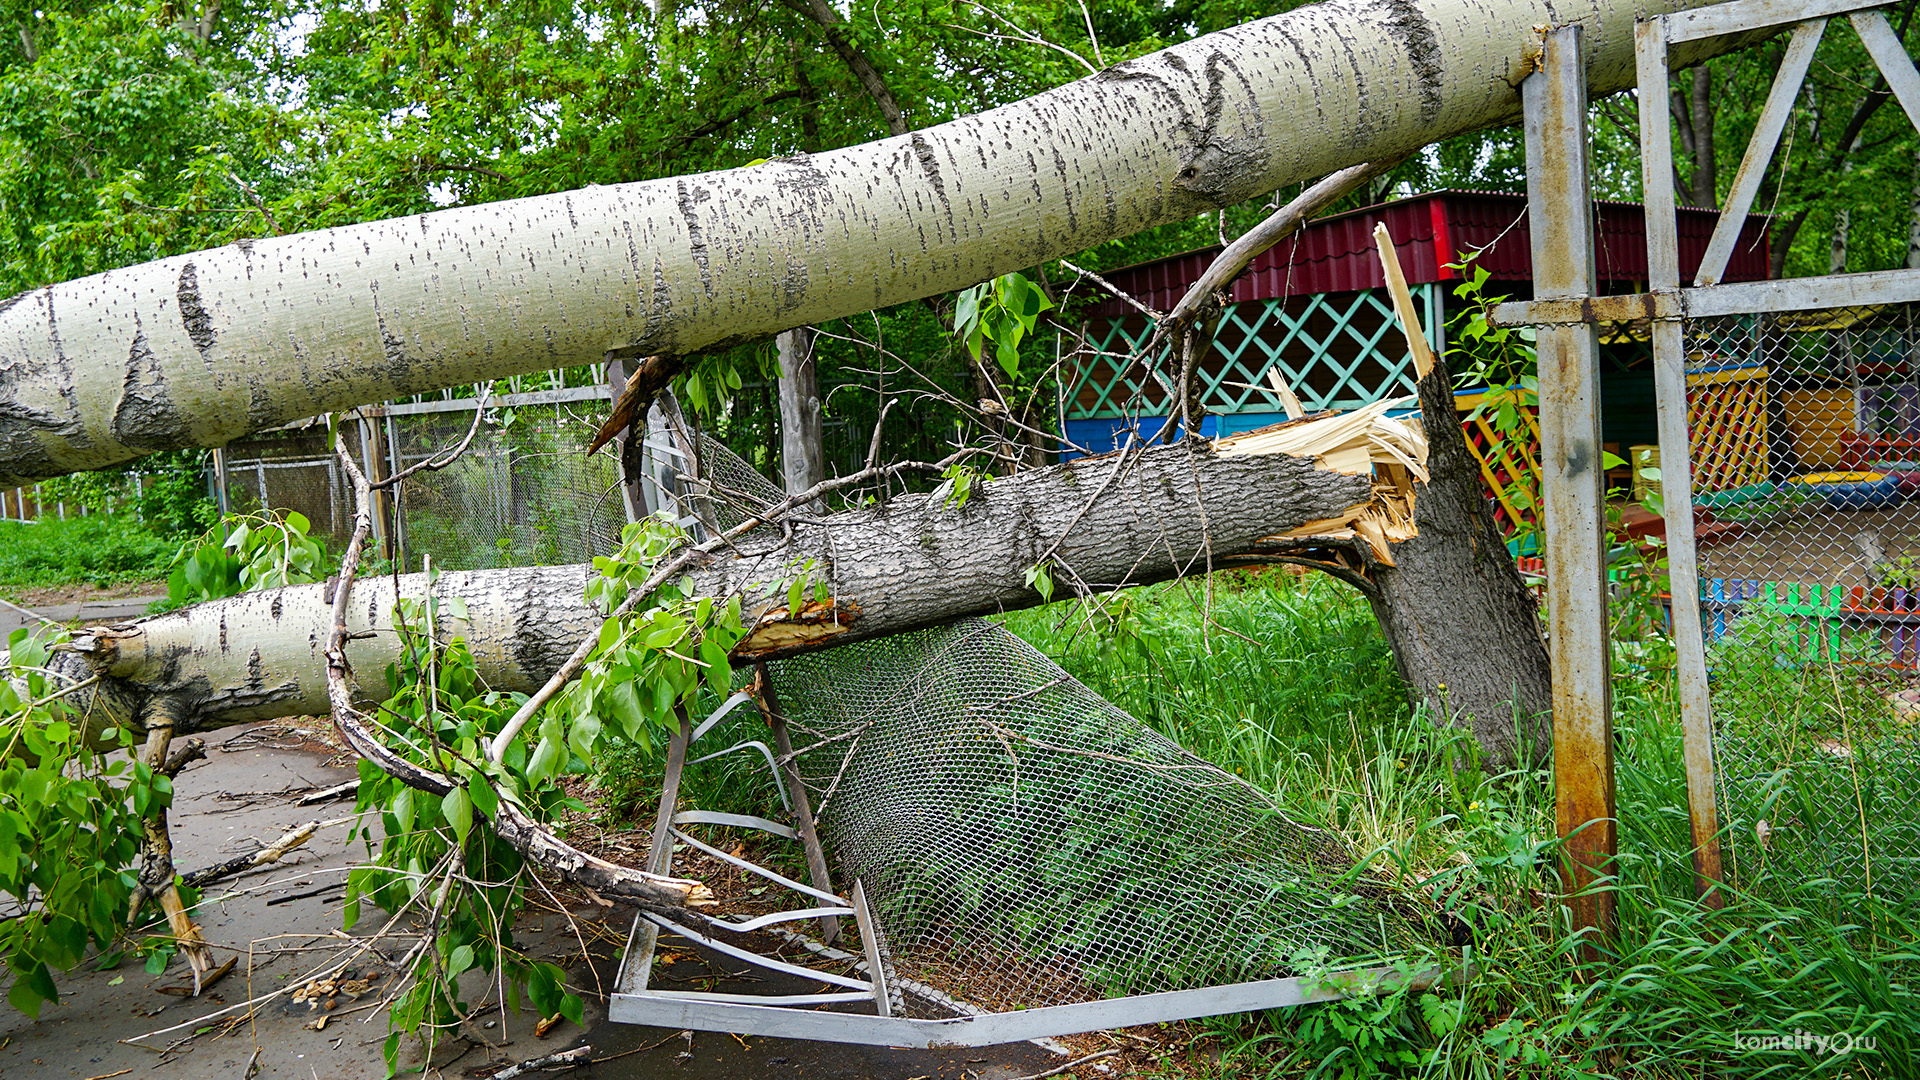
{"points": [[930, 164], [1412, 29], [1306, 69], [276, 606], [193, 314], [1220, 169], [1060, 170], [399, 364], [263, 410], [690, 198], [145, 419], [25, 430], [223, 631]]}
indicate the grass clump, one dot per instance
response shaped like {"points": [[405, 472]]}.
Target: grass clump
{"points": [[1807, 971], [102, 550]]}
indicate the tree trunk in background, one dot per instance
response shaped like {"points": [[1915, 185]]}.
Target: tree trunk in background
{"points": [[1706, 166], [803, 455], [1842, 220], [198, 349], [1913, 219], [1464, 629]]}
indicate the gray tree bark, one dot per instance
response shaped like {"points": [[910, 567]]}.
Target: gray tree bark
{"points": [[1913, 216], [1464, 629], [803, 452], [909, 563], [198, 349]]}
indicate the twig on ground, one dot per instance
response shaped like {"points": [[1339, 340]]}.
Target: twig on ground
{"points": [[565, 1059], [338, 791], [272, 853], [1075, 1063]]}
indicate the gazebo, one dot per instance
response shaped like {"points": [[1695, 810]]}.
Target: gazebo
{"points": [[1315, 308]]}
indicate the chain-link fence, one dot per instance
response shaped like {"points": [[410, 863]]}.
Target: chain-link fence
{"points": [[1805, 431], [1025, 843], [523, 494]]}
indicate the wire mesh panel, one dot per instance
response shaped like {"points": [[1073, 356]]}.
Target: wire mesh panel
{"points": [[292, 470], [1025, 843], [1805, 433], [524, 494]]}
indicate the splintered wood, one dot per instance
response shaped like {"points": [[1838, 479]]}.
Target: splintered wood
{"points": [[1365, 441]]}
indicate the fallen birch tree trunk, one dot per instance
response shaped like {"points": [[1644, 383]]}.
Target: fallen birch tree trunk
{"points": [[199, 349], [1132, 517]]}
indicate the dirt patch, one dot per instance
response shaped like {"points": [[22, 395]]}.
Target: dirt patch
{"points": [[80, 592]]}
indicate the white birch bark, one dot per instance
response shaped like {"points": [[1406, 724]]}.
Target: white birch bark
{"points": [[198, 349]]}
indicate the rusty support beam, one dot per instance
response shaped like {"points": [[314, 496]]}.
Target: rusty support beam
{"points": [[1555, 103], [1676, 466]]}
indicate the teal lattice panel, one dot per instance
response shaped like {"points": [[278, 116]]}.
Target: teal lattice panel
{"points": [[1336, 350]]}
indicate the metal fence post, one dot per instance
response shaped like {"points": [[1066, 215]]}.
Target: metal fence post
{"points": [[1676, 470], [396, 466], [1572, 481], [220, 482]]}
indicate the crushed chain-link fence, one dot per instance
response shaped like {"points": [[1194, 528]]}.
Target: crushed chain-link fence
{"points": [[1805, 432], [524, 494], [1026, 843]]}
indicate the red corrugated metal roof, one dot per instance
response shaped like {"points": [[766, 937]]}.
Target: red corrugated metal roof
{"points": [[1336, 254]]}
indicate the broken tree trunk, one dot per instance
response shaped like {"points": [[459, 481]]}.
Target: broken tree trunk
{"points": [[199, 349], [1464, 629], [1127, 518]]}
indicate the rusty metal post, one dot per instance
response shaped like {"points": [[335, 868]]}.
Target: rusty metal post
{"points": [[1676, 470], [1560, 209]]}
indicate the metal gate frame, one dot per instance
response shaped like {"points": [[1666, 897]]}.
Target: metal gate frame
{"points": [[1568, 314]]}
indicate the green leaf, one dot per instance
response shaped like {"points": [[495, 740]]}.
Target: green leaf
{"points": [[1007, 353], [623, 701], [546, 760], [966, 310], [26, 997], [459, 811], [460, 959], [483, 796]]}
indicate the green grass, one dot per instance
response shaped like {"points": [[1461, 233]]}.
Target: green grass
{"points": [[1293, 688], [102, 550]]}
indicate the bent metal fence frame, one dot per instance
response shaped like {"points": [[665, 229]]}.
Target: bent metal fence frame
{"points": [[1727, 344]]}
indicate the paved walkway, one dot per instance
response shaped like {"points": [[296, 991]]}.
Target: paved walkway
{"points": [[124, 609]]}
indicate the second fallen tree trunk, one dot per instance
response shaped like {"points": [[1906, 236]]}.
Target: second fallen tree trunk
{"points": [[1133, 517]]}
